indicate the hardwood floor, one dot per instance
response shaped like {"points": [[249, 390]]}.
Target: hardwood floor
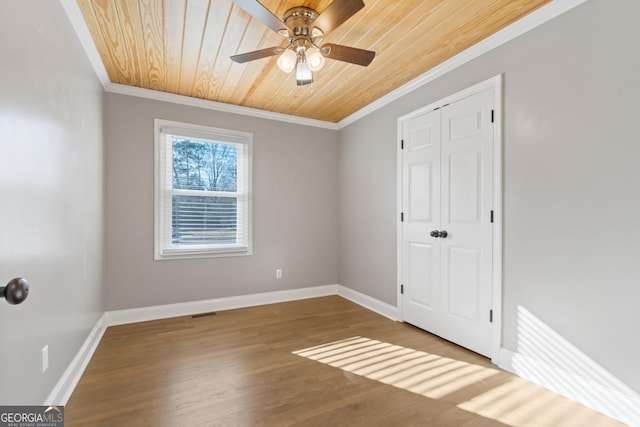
{"points": [[237, 368]]}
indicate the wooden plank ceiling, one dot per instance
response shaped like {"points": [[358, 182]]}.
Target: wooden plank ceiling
{"points": [[183, 47]]}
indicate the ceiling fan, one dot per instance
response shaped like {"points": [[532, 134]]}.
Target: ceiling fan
{"points": [[304, 27]]}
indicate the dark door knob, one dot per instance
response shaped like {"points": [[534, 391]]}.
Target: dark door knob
{"points": [[435, 233], [16, 290], [443, 234]]}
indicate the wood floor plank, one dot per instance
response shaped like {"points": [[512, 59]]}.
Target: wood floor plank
{"points": [[238, 368]]}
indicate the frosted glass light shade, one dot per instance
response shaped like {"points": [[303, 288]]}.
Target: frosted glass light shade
{"points": [[303, 73], [287, 61], [315, 59]]}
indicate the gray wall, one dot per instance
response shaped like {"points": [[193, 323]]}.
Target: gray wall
{"points": [[295, 209], [571, 182], [51, 209]]}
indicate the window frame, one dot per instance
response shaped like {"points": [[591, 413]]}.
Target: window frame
{"points": [[163, 222]]}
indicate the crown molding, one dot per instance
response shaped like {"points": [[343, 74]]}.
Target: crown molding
{"points": [[82, 31], [527, 23], [217, 106]]}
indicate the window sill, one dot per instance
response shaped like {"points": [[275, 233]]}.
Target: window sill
{"points": [[201, 253]]}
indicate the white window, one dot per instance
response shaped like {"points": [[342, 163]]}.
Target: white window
{"points": [[203, 191]]}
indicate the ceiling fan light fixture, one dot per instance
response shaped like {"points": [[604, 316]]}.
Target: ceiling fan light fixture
{"points": [[315, 59], [304, 28], [287, 61]]}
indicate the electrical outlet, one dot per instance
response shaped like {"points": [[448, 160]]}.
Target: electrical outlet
{"points": [[279, 273], [45, 358]]}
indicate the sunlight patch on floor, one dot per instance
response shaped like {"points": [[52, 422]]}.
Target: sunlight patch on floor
{"points": [[427, 374], [521, 403], [514, 401]]}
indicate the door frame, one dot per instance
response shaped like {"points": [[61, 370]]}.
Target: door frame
{"points": [[494, 83]]}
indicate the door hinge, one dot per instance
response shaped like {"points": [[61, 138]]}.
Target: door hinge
{"points": [[490, 316], [492, 216], [401, 216], [402, 144], [492, 116], [402, 289]]}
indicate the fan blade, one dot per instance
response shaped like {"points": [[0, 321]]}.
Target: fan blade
{"points": [[262, 14], [349, 54], [256, 54], [337, 13]]}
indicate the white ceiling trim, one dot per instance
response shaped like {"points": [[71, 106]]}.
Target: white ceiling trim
{"points": [[82, 31], [217, 106], [527, 23]]}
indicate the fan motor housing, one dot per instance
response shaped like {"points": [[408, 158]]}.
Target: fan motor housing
{"points": [[300, 20]]}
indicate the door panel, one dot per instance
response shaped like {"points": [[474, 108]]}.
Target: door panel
{"points": [[421, 256], [464, 280], [464, 187], [463, 124], [420, 137], [420, 206]]}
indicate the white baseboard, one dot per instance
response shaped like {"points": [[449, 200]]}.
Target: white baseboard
{"points": [[617, 404], [143, 314], [67, 383], [370, 303]]}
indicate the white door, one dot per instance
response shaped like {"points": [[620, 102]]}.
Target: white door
{"points": [[447, 230], [421, 258]]}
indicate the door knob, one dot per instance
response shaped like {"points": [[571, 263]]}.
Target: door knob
{"points": [[16, 290], [443, 234], [435, 233]]}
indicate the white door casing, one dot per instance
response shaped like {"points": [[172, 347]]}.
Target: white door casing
{"points": [[450, 181]]}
